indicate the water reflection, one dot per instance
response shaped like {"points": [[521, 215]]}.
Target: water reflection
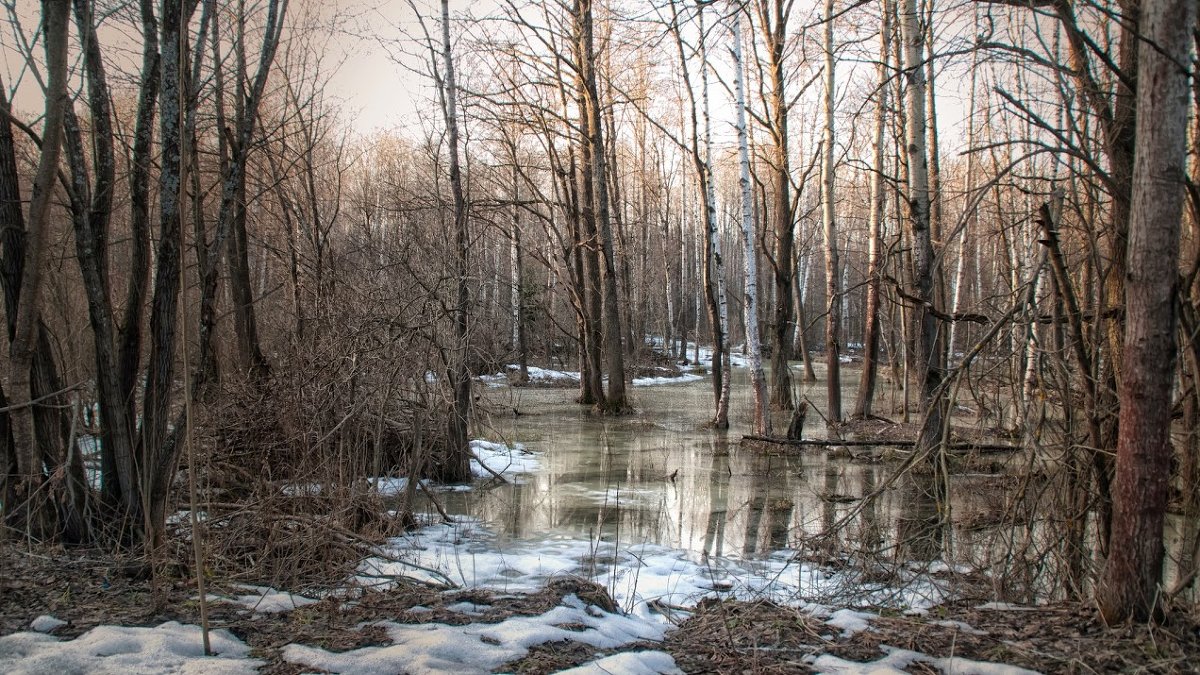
{"points": [[660, 478]]}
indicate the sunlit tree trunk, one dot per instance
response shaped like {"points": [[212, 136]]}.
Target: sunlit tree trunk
{"points": [[773, 19], [870, 366], [517, 265], [762, 417], [925, 338], [1130, 584], [713, 263], [800, 345], [614, 353]]}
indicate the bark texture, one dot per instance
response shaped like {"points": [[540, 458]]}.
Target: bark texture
{"points": [[1129, 587]]}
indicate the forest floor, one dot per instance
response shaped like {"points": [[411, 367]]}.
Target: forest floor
{"points": [[290, 634]]}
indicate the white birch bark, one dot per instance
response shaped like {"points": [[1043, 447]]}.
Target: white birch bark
{"points": [[762, 419], [714, 239]]}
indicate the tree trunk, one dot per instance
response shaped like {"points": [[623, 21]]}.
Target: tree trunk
{"points": [[590, 242], [774, 18], [833, 291], [456, 465], [800, 346], [870, 367], [713, 267], [232, 219], [926, 354], [1130, 583], [516, 262], [614, 401], [31, 512], [762, 417]]}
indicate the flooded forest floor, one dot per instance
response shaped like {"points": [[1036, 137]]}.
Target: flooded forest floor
{"points": [[641, 544]]}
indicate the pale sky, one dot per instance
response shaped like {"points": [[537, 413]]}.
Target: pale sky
{"points": [[378, 48]]}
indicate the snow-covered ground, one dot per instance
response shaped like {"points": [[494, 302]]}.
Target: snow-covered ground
{"points": [[502, 459], [425, 648], [482, 648], [655, 381], [641, 577], [536, 376], [653, 586], [566, 377], [120, 650]]}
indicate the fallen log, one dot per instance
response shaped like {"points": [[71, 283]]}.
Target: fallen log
{"points": [[982, 448]]}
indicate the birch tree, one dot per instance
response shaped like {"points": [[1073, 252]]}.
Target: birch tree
{"points": [[714, 264], [762, 417]]}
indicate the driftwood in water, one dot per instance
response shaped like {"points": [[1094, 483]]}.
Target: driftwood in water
{"points": [[983, 448]]}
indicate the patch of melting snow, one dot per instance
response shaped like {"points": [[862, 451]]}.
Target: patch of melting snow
{"points": [[502, 459], [393, 486], [640, 577], [482, 648], [629, 663], [900, 660], [678, 379], [536, 376], [46, 624], [850, 621], [264, 600], [169, 648]]}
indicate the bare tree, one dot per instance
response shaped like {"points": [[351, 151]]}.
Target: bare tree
{"points": [[926, 354], [773, 18], [870, 366], [29, 510], [456, 465], [833, 276], [1131, 576], [615, 401]]}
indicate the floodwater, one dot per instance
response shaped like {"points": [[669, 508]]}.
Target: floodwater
{"points": [[611, 495]]}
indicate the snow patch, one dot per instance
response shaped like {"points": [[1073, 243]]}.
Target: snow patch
{"points": [[653, 381], [46, 624], [850, 621], [502, 459], [480, 648], [629, 663], [898, 660], [169, 648], [641, 577], [536, 376], [265, 600]]}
